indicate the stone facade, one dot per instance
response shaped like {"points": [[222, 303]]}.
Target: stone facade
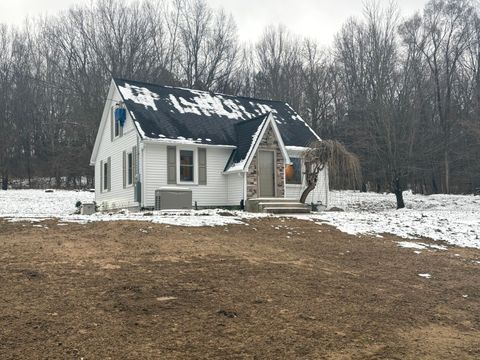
{"points": [[268, 142]]}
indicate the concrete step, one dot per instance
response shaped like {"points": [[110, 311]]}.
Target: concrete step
{"points": [[274, 200], [281, 204], [252, 205], [287, 210]]}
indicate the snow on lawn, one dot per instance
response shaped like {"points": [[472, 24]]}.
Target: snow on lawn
{"points": [[35, 205], [40, 204], [452, 218]]}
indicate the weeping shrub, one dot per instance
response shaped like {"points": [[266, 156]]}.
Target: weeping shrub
{"points": [[333, 155]]}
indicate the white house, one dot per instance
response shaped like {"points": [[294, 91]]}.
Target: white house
{"points": [[224, 149]]}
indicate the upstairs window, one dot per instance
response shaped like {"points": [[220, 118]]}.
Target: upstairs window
{"points": [[119, 116], [186, 166], [296, 177], [117, 127]]}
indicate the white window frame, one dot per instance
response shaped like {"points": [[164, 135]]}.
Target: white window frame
{"points": [[114, 124], [127, 184], [301, 171], [195, 165]]}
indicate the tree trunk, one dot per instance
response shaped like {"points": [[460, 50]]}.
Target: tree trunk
{"points": [[397, 189], [447, 173], [305, 193], [5, 182], [434, 185]]}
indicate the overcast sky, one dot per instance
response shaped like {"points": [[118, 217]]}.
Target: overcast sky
{"points": [[319, 19]]}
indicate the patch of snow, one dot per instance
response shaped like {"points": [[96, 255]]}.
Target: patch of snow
{"points": [[296, 148], [206, 104], [451, 218], [426, 276], [140, 130], [139, 95], [31, 205], [36, 206], [411, 245], [166, 298], [420, 246]]}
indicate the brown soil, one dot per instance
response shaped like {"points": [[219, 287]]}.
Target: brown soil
{"points": [[276, 289]]}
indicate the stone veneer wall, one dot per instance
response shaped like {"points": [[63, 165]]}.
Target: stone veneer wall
{"points": [[268, 142]]}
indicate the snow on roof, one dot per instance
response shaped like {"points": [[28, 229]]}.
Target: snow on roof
{"points": [[139, 95], [167, 113]]}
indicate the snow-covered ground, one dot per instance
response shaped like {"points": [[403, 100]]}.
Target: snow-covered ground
{"points": [[36, 205], [452, 218]]}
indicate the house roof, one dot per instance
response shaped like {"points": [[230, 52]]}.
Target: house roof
{"points": [[247, 133], [172, 113]]}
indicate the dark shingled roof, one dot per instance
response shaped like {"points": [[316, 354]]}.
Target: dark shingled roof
{"points": [[163, 112]]}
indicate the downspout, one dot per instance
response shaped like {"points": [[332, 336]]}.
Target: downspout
{"points": [[327, 187], [244, 187], [139, 170]]}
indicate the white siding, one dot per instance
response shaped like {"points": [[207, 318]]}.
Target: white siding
{"points": [[215, 193], [117, 197], [235, 188], [319, 194]]}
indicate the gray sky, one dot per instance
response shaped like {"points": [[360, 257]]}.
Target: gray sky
{"points": [[319, 19]]}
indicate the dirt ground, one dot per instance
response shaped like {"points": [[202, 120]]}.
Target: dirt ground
{"points": [[275, 289]]}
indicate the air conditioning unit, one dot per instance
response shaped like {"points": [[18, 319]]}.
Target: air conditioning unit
{"points": [[173, 198]]}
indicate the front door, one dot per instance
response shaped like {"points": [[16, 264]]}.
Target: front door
{"points": [[266, 173]]}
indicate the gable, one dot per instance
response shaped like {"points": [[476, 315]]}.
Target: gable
{"points": [[178, 114], [251, 134], [103, 138]]}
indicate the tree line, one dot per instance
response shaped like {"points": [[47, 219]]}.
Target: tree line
{"points": [[401, 93]]}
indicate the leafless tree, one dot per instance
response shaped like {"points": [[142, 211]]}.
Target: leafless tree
{"points": [[332, 155]]}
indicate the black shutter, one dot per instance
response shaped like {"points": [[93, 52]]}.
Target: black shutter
{"points": [[101, 176], [124, 169], [109, 178], [202, 166], [171, 165]]}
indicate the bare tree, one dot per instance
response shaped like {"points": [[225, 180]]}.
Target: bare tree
{"points": [[444, 35], [332, 155]]}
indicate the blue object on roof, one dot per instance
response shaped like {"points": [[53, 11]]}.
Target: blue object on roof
{"points": [[121, 116]]}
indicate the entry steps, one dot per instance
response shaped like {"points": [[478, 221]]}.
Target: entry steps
{"points": [[277, 206]]}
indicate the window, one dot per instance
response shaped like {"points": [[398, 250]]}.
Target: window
{"points": [[105, 176], [186, 166], [296, 176], [117, 127], [130, 169], [117, 114]]}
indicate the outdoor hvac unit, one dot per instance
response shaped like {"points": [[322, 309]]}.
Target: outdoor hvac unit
{"points": [[173, 198]]}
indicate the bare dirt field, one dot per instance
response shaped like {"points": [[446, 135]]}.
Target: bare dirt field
{"points": [[276, 289]]}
